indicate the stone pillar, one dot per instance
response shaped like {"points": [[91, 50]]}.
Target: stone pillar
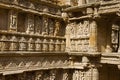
{"points": [[30, 24], [95, 74], [93, 36], [12, 20]]}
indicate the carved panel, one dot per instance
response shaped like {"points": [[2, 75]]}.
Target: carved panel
{"points": [[12, 20], [30, 24]]}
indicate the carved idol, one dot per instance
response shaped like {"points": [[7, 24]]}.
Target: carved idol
{"points": [[38, 24], [57, 28], [45, 26], [65, 75], [86, 29], [51, 27], [30, 24], [79, 30], [39, 75], [52, 75], [76, 75], [13, 20]]}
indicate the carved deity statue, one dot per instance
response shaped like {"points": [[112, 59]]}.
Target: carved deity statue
{"points": [[57, 28], [79, 30], [45, 26], [39, 75], [52, 75], [30, 24], [51, 27], [76, 75], [65, 75]]}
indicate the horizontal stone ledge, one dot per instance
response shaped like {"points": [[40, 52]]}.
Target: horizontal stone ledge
{"points": [[109, 55], [82, 7], [12, 72], [82, 17], [28, 10], [33, 53], [93, 54], [5, 32], [53, 4], [30, 53]]}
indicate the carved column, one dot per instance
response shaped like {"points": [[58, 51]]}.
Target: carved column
{"points": [[30, 24], [12, 20], [93, 36], [95, 74]]}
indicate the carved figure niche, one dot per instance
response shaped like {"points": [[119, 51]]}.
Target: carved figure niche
{"points": [[21, 22], [3, 19], [38, 24], [115, 37], [30, 24], [51, 27], [12, 20], [45, 28], [57, 28]]}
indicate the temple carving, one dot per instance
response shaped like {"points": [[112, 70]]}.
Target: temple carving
{"points": [[59, 39]]}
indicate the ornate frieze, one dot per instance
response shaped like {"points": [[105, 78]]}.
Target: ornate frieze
{"points": [[33, 63]]}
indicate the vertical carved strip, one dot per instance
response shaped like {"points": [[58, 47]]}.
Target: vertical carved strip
{"points": [[93, 36], [12, 20]]}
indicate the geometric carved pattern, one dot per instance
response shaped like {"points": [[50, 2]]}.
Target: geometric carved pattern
{"points": [[31, 63]]}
